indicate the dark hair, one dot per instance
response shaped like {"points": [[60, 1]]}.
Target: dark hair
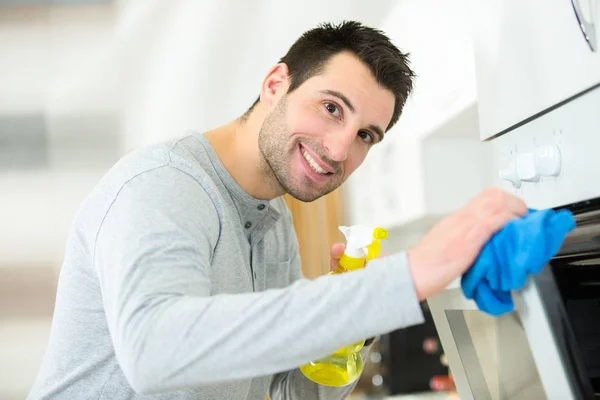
{"points": [[309, 55]]}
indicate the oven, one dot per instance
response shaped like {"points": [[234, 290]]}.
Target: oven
{"points": [[538, 96], [549, 347]]}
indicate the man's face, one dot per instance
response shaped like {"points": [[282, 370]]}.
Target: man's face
{"points": [[316, 136]]}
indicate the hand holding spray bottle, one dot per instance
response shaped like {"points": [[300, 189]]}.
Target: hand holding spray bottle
{"points": [[345, 365]]}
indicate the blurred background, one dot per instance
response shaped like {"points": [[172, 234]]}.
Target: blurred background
{"points": [[82, 82]]}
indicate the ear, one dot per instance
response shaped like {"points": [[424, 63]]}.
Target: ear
{"points": [[275, 84]]}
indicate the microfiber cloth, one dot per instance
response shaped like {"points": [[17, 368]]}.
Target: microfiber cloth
{"points": [[521, 248]]}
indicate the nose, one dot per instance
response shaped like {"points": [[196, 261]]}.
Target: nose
{"points": [[337, 144]]}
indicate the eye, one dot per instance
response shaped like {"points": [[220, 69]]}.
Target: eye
{"points": [[333, 109], [367, 137]]}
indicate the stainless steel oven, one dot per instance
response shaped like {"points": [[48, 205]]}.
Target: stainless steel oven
{"points": [[549, 347]]}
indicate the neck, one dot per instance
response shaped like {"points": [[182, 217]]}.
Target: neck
{"points": [[236, 145]]}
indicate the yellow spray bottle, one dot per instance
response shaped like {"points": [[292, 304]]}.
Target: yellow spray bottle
{"points": [[345, 365]]}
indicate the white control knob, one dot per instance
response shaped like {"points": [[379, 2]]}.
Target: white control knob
{"points": [[529, 167], [510, 174]]}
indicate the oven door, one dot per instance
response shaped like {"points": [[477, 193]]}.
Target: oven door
{"points": [[549, 347]]}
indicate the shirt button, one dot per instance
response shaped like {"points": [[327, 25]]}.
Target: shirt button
{"points": [[248, 225], [261, 206]]}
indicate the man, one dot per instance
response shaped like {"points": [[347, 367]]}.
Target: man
{"points": [[182, 279]]}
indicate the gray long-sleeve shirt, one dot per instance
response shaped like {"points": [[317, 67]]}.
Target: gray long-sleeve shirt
{"points": [[177, 284]]}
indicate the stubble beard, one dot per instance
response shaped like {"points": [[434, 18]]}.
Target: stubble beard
{"points": [[275, 158]]}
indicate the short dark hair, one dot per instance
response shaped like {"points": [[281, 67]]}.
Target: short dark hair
{"points": [[309, 55]]}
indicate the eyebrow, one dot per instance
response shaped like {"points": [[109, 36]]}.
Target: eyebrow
{"points": [[342, 97], [348, 103]]}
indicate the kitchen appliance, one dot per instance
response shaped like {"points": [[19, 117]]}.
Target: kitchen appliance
{"points": [[538, 86], [549, 347]]}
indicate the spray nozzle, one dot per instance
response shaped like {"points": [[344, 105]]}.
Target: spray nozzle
{"points": [[363, 241], [374, 248]]}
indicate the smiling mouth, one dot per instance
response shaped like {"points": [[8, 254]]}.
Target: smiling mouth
{"points": [[313, 164]]}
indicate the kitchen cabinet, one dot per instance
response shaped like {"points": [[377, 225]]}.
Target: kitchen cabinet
{"points": [[538, 49], [431, 162]]}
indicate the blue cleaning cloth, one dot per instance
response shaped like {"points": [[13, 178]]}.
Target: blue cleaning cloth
{"points": [[522, 247]]}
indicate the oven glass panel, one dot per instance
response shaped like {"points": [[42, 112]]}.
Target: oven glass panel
{"points": [[576, 272], [496, 355], [578, 279]]}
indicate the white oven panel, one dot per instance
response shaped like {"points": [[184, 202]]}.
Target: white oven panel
{"points": [[531, 55], [554, 159]]}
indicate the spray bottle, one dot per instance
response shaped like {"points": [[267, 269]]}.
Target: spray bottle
{"points": [[345, 365]]}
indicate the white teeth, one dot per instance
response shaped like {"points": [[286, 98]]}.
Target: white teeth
{"points": [[313, 164]]}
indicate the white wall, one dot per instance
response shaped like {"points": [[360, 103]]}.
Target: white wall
{"points": [[36, 214], [209, 58], [46, 52], [22, 343]]}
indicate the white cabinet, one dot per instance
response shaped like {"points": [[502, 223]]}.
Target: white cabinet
{"points": [[530, 55], [431, 162], [437, 36]]}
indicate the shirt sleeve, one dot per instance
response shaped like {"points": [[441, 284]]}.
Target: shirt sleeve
{"points": [[153, 257]]}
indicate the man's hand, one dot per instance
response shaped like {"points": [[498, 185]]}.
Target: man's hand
{"points": [[453, 244], [336, 253], [337, 250]]}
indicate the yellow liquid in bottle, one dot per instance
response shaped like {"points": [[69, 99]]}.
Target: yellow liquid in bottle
{"points": [[353, 348], [345, 365], [334, 370]]}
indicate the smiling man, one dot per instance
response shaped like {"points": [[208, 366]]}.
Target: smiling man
{"points": [[181, 277]]}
